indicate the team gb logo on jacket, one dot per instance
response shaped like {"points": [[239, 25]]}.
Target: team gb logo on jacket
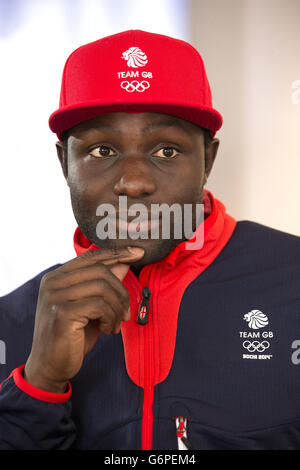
{"points": [[256, 319], [256, 343], [135, 58]]}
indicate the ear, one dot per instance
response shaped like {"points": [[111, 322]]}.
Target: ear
{"points": [[210, 155], [63, 158]]}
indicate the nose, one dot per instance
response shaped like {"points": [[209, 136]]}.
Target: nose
{"points": [[135, 179]]}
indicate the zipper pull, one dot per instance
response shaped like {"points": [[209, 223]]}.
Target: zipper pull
{"points": [[142, 317], [181, 434]]}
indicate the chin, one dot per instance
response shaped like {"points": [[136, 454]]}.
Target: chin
{"points": [[155, 250]]}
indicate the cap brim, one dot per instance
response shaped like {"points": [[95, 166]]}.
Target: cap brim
{"points": [[69, 116]]}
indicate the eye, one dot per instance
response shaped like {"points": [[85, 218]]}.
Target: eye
{"points": [[102, 151], [166, 152]]}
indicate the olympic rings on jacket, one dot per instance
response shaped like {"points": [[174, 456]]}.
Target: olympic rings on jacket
{"points": [[256, 346], [135, 86]]}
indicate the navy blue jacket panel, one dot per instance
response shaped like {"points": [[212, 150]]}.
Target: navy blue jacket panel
{"points": [[238, 386]]}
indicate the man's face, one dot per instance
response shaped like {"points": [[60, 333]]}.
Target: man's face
{"points": [[151, 158]]}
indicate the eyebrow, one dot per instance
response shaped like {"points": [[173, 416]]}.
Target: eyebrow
{"points": [[165, 123], [158, 124]]}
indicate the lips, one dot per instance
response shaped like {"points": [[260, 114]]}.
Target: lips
{"points": [[138, 226], [144, 224]]}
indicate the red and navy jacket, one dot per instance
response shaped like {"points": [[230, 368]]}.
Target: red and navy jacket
{"points": [[216, 366]]}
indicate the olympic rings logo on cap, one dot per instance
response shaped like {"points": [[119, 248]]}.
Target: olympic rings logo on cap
{"points": [[135, 86], [256, 346]]}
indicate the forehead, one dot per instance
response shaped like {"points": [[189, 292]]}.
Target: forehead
{"points": [[144, 123]]}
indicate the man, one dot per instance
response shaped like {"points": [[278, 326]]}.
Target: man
{"points": [[148, 343]]}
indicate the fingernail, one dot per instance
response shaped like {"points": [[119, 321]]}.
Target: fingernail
{"points": [[135, 250]]}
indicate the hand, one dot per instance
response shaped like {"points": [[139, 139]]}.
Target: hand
{"points": [[76, 302]]}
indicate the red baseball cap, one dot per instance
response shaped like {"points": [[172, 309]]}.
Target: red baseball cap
{"points": [[135, 71]]}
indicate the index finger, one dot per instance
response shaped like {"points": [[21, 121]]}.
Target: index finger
{"points": [[104, 255]]}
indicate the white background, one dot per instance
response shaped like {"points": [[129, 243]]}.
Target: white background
{"points": [[251, 50], [37, 36]]}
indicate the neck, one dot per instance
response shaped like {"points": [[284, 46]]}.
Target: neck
{"points": [[136, 270]]}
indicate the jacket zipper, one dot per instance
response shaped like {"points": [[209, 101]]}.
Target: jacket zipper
{"points": [[145, 319], [181, 432], [143, 311]]}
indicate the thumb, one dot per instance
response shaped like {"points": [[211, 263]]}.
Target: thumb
{"points": [[120, 270]]}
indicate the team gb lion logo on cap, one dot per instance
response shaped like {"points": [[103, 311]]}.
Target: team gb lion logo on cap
{"points": [[256, 319], [135, 57]]}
